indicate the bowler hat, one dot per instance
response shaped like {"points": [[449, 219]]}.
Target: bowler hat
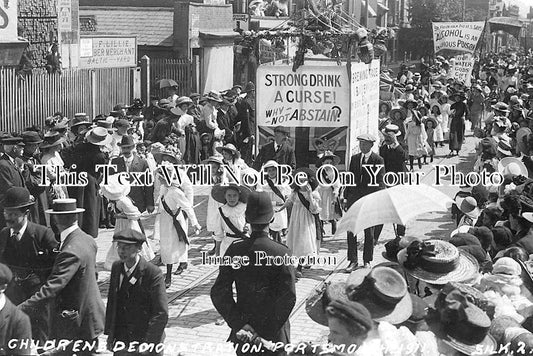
{"points": [[17, 197], [250, 86], [259, 208], [5, 274], [12, 140], [383, 291], [64, 206], [31, 137], [129, 236], [127, 141]]}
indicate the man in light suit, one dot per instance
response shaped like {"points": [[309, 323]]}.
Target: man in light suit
{"points": [[78, 312], [362, 188], [10, 172], [142, 196], [29, 250], [279, 150], [137, 305]]}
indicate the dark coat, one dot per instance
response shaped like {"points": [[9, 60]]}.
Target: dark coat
{"points": [[284, 155], [10, 176], [142, 196], [226, 123], [265, 295], [73, 288], [31, 260], [162, 129], [363, 178], [86, 156], [33, 180], [246, 116], [145, 308], [14, 324], [393, 158]]}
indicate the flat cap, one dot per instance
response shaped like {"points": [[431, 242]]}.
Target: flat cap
{"points": [[129, 236], [122, 122], [5, 274], [366, 137]]}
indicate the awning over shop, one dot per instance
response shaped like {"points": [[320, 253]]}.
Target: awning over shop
{"points": [[371, 11], [510, 25], [212, 35]]}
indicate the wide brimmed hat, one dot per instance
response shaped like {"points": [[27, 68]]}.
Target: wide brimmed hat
{"points": [[219, 192], [64, 206], [259, 208], [468, 206], [214, 95], [463, 325], [31, 137], [228, 147], [115, 188], [127, 141], [383, 291], [17, 197], [513, 166], [329, 155], [501, 106], [52, 139], [184, 100], [169, 152], [395, 110], [270, 164], [432, 119], [98, 136], [410, 101], [316, 304], [213, 159], [80, 119], [437, 262]]}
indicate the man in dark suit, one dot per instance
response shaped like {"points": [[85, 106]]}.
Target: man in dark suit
{"points": [[279, 150], [142, 196], [393, 158], [10, 173], [265, 294], [362, 188], [137, 305], [14, 324], [28, 249], [246, 117], [78, 312]]}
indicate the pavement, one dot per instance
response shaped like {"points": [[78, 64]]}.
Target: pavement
{"points": [[193, 327]]}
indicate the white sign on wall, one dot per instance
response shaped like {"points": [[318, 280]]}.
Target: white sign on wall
{"points": [[365, 103], [108, 52], [64, 15], [313, 96], [8, 21]]}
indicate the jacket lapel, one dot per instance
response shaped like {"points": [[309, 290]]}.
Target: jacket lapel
{"points": [[5, 315]]}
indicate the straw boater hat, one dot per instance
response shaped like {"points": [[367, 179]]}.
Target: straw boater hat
{"points": [[500, 106], [214, 96], [64, 206], [437, 262], [383, 291], [230, 148], [219, 192], [98, 136], [115, 189], [17, 197], [512, 166], [328, 154], [392, 129], [316, 304]]}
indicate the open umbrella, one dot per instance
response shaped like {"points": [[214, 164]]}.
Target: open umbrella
{"points": [[396, 205], [165, 83]]}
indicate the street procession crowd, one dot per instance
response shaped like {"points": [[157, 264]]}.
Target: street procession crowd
{"points": [[469, 292]]}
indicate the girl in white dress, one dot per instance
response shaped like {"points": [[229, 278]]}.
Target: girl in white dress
{"points": [[328, 193], [218, 176], [232, 159], [445, 111], [304, 225], [126, 213], [176, 209]]}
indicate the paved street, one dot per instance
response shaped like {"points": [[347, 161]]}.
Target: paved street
{"points": [[192, 327]]}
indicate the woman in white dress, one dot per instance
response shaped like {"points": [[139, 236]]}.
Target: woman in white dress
{"points": [[438, 133], [126, 213], [218, 176], [328, 193], [50, 148], [176, 209], [304, 225], [445, 111]]}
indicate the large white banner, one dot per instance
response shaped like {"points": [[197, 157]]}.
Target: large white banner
{"points": [[313, 96], [461, 68], [8, 21], [365, 103], [457, 36]]}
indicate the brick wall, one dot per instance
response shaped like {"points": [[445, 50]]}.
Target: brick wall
{"points": [[38, 24]]}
